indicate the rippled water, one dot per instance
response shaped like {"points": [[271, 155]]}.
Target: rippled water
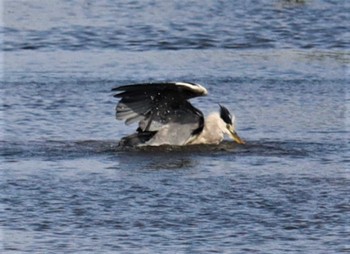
{"points": [[281, 66], [144, 25]]}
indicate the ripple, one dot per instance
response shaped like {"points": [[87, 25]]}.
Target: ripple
{"points": [[164, 26], [82, 148]]}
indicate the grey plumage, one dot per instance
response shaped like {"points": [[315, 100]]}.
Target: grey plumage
{"points": [[164, 114], [162, 110]]}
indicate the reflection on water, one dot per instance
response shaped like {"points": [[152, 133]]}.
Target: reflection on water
{"points": [[167, 157]]}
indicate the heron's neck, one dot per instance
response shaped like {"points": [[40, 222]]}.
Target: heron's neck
{"points": [[214, 123], [213, 130]]}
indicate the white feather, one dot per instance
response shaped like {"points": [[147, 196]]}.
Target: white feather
{"points": [[197, 88]]}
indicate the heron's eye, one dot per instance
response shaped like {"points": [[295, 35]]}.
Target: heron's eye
{"points": [[228, 126]]}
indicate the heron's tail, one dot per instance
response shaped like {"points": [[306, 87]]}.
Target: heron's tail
{"points": [[136, 139]]}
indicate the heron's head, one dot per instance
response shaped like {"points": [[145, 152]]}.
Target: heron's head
{"points": [[229, 120]]}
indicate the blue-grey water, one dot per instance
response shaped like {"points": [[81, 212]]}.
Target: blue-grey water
{"points": [[281, 66]]}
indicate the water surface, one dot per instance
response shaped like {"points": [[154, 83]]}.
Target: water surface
{"points": [[282, 67]]}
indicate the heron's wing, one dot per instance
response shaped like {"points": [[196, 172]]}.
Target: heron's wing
{"points": [[157, 105]]}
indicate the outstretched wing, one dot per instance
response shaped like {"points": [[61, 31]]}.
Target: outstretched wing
{"points": [[161, 106]]}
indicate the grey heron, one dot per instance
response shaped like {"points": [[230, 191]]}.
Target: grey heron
{"points": [[166, 117]]}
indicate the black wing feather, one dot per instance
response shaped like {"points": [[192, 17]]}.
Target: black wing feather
{"points": [[155, 105]]}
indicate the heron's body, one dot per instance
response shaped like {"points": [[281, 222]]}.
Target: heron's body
{"points": [[166, 117]]}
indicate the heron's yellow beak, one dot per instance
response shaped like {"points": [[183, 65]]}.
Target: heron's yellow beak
{"points": [[234, 135]]}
